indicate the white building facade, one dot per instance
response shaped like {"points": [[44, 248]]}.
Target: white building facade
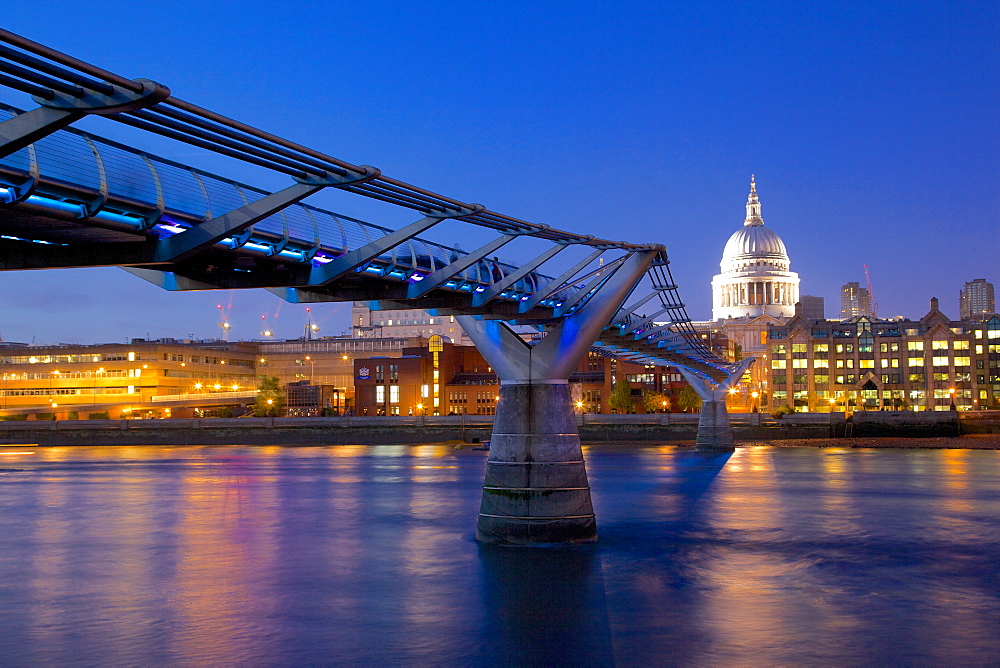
{"points": [[755, 278]]}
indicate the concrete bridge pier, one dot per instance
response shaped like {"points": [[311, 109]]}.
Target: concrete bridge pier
{"points": [[536, 490], [714, 429]]}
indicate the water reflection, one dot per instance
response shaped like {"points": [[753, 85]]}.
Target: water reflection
{"points": [[545, 607], [359, 555]]}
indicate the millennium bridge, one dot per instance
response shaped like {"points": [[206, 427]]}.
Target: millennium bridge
{"points": [[75, 199]]}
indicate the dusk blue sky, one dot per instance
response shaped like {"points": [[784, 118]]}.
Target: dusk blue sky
{"points": [[871, 128]]}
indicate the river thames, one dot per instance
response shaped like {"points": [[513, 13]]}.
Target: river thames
{"points": [[365, 555]]}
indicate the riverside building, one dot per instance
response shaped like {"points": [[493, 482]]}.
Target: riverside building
{"points": [[864, 363], [75, 381]]}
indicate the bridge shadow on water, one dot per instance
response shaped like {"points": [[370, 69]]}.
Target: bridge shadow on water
{"points": [[550, 606]]}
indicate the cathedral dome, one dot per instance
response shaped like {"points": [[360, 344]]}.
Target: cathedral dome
{"points": [[753, 242], [756, 277]]}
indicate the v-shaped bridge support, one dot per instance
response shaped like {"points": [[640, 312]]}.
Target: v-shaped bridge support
{"points": [[536, 490], [714, 429]]}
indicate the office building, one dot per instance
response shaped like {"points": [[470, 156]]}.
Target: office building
{"points": [[400, 324], [977, 300], [813, 307], [854, 301], [865, 363]]}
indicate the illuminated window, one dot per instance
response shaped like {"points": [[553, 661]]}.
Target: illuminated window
{"points": [[800, 364], [937, 344], [380, 394], [915, 361], [394, 394], [821, 348], [915, 345], [962, 361], [960, 345], [821, 364], [867, 364], [779, 364], [939, 361]]}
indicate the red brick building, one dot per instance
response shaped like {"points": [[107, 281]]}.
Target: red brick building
{"points": [[442, 378]]}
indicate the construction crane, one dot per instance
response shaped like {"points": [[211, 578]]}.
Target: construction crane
{"points": [[266, 331], [871, 295], [224, 311], [311, 327]]}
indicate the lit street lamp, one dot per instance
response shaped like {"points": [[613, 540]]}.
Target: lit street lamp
{"points": [[951, 393]]}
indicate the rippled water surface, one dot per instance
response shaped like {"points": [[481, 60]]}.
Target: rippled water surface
{"points": [[348, 555]]}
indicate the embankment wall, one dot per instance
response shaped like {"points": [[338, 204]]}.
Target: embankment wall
{"points": [[475, 429]]}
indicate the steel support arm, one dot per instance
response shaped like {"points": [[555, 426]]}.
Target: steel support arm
{"points": [[626, 312], [555, 356], [632, 327], [656, 332], [348, 262], [169, 280], [494, 290], [196, 239], [442, 275], [584, 293], [553, 287], [29, 127]]}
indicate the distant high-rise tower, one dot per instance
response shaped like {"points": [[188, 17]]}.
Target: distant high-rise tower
{"points": [[813, 308], [854, 300], [976, 299]]}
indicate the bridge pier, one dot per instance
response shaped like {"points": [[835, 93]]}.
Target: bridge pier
{"points": [[536, 490], [715, 432]]}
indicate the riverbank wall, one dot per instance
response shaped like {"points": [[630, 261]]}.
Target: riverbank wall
{"points": [[389, 430], [478, 428]]}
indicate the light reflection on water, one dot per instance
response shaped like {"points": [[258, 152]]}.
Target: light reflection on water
{"points": [[355, 554]]}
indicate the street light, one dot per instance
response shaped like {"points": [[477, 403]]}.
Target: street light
{"points": [[951, 392], [754, 394]]}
